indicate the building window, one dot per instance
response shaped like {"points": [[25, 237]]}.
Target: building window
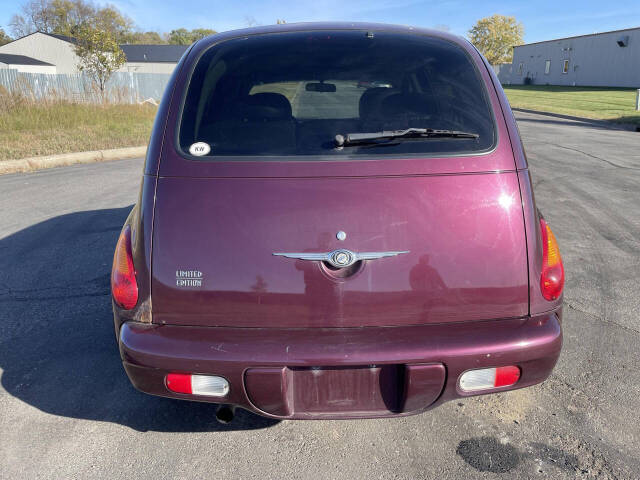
{"points": [[547, 67], [565, 66], [520, 67]]}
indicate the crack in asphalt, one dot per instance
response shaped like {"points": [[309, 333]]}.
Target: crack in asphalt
{"points": [[602, 319], [616, 165]]}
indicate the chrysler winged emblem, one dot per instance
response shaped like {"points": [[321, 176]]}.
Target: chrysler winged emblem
{"points": [[340, 258]]}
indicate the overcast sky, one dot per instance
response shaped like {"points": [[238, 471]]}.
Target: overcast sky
{"points": [[543, 19]]}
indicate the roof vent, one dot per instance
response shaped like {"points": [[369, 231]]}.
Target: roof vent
{"points": [[623, 41]]}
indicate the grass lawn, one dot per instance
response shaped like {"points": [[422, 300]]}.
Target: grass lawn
{"points": [[29, 130], [615, 104]]}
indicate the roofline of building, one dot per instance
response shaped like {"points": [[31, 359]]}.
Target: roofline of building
{"points": [[153, 53], [58, 37], [53, 35], [153, 61], [152, 45], [577, 36], [34, 61]]}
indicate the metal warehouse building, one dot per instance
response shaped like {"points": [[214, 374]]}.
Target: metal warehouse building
{"points": [[609, 59], [58, 51]]}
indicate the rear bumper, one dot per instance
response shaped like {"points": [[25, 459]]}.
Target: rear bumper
{"points": [[364, 372]]}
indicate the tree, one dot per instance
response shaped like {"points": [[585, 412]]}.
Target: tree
{"points": [[36, 17], [4, 38], [495, 37], [145, 38], [65, 16], [199, 33], [179, 36], [110, 19], [182, 36], [99, 54]]}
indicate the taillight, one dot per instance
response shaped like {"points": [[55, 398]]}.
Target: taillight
{"points": [[123, 276], [552, 278]]}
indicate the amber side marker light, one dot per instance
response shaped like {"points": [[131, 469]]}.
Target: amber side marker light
{"points": [[552, 277], [123, 276]]}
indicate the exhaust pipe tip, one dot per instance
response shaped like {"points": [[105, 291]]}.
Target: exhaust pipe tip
{"points": [[225, 414]]}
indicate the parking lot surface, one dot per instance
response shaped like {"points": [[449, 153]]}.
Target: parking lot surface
{"points": [[67, 409]]}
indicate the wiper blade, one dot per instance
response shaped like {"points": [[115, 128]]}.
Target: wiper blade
{"points": [[375, 137]]}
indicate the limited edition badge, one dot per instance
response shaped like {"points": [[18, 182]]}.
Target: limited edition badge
{"points": [[189, 278]]}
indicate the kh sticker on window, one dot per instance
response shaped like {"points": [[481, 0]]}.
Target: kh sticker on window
{"points": [[199, 148]]}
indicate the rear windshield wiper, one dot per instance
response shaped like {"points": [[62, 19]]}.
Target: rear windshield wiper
{"points": [[409, 133]]}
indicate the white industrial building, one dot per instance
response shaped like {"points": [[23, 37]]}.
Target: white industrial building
{"points": [[608, 59], [58, 51]]}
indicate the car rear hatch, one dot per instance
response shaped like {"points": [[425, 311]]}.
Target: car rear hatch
{"points": [[220, 221]]}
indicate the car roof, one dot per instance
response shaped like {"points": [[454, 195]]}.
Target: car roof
{"points": [[335, 26]]}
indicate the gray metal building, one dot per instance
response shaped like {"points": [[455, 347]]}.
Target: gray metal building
{"points": [[608, 59], [59, 51]]}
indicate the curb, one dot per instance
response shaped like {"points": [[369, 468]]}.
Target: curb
{"points": [[32, 164], [594, 121]]}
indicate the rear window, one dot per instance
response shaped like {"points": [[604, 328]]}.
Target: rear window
{"points": [[290, 94]]}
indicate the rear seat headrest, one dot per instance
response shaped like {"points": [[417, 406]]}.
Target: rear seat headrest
{"points": [[371, 100], [410, 104], [265, 106], [387, 102]]}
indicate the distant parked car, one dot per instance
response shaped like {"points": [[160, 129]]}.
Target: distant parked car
{"points": [[306, 251]]}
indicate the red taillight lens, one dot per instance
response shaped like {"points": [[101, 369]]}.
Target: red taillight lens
{"points": [[506, 376], [123, 276], [552, 278], [179, 382]]}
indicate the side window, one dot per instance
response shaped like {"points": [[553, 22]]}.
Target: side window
{"points": [[547, 67], [565, 66], [520, 67]]}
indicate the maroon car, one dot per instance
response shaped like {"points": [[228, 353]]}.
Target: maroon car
{"points": [[304, 248]]}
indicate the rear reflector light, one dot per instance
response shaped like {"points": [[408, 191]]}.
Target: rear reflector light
{"points": [[209, 385], [552, 277], [179, 383], [486, 378], [123, 276]]}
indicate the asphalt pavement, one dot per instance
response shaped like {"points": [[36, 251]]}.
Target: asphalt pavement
{"points": [[67, 409]]}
